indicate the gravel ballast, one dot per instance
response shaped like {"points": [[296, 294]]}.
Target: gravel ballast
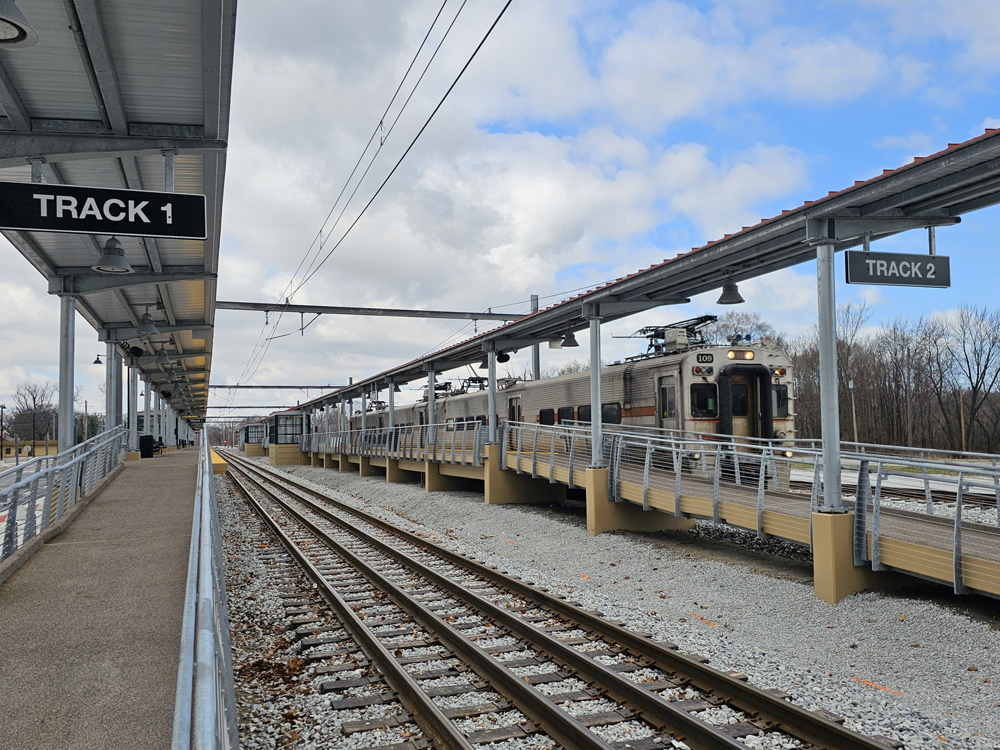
{"points": [[902, 667]]}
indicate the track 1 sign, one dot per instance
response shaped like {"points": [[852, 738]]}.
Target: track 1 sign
{"points": [[897, 269], [90, 210]]}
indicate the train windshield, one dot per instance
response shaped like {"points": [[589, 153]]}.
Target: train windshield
{"points": [[704, 401], [779, 396]]}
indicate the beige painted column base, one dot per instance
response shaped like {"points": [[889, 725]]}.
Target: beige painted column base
{"points": [[132, 455], [365, 469], [435, 481], [328, 460], [395, 475], [834, 574], [502, 487], [343, 464], [604, 514]]}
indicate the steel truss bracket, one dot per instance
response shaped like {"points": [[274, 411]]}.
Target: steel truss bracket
{"points": [[74, 284], [614, 305], [16, 147], [840, 229], [510, 344], [124, 333]]}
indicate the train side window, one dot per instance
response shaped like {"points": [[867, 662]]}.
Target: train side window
{"points": [[704, 401], [481, 419], [547, 416], [611, 413], [583, 413], [779, 396], [566, 414], [741, 400]]}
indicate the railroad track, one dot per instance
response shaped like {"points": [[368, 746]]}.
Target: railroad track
{"points": [[943, 497], [414, 622]]}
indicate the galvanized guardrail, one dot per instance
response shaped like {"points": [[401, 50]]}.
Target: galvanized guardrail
{"points": [[205, 703], [452, 443], [748, 483], [36, 494]]}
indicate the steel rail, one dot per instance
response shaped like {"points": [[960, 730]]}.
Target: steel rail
{"points": [[794, 720], [428, 716], [653, 708], [562, 726]]}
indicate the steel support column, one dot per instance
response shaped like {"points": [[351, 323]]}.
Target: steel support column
{"points": [[119, 384], [829, 406], [536, 363], [109, 385], [133, 409], [596, 448], [364, 412], [492, 390], [67, 352], [392, 405], [147, 418], [431, 416]]}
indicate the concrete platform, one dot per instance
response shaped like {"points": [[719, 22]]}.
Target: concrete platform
{"points": [[90, 626]]}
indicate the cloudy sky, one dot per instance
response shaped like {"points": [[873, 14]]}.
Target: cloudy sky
{"points": [[585, 141]]}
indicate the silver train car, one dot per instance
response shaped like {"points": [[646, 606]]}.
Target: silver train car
{"points": [[680, 383]]}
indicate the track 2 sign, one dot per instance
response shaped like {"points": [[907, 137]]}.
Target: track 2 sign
{"points": [[88, 210], [896, 269]]}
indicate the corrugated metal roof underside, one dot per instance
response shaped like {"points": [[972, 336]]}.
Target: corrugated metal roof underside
{"points": [[157, 51]]}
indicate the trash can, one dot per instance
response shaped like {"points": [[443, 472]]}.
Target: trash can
{"points": [[146, 445]]}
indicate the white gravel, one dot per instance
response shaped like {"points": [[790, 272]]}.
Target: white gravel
{"points": [[893, 665]]}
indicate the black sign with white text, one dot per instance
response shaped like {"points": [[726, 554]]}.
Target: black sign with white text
{"points": [[88, 210], [897, 269]]}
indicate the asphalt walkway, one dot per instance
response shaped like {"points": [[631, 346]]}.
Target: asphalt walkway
{"points": [[90, 626]]}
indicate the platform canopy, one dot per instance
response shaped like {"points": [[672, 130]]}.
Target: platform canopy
{"points": [[112, 95], [929, 192]]}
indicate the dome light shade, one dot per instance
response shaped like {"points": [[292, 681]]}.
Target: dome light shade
{"points": [[569, 340], [113, 259], [730, 294], [503, 357], [147, 327], [162, 357], [14, 28]]}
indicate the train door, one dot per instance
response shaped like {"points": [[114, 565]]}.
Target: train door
{"points": [[514, 409], [668, 402], [745, 412]]}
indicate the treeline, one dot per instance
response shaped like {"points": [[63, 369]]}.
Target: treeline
{"points": [[929, 383]]}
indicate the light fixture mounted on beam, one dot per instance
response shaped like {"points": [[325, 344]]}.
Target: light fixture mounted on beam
{"points": [[15, 31], [113, 259], [730, 294], [147, 327], [162, 357]]}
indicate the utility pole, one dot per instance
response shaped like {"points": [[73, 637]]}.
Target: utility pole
{"points": [[854, 412]]}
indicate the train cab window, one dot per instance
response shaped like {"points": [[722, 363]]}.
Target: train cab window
{"points": [[547, 416], [481, 419], [779, 402], [566, 414], [741, 400], [611, 413], [583, 413], [704, 401]]}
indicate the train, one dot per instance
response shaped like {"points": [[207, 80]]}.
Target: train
{"points": [[681, 382]]}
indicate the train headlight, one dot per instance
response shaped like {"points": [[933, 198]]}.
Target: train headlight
{"points": [[747, 355], [788, 454], [731, 354]]}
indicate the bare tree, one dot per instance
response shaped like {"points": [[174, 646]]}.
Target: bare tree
{"points": [[33, 415], [744, 323], [566, 368]]}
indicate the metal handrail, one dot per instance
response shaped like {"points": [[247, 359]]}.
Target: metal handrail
{"points": [[205, 700], [455, 442], [72, 475], [40, 463]]}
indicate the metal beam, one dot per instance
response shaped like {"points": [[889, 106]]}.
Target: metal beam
{"points": [[387, 312], [12, 104], [16, 147], [100, 56], [96, 127], [150, 359], [283, 408], [117, 332], [276, 387], [73, 284]]}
